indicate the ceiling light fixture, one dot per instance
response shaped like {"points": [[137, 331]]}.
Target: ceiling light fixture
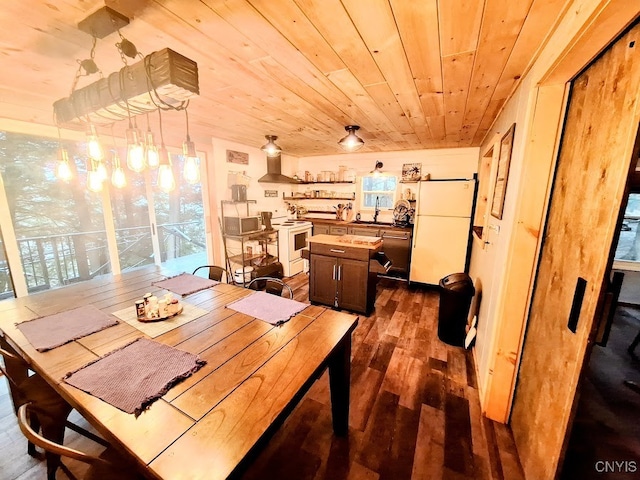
{"points": [[271, 148], [164, 79], [351, 142]]}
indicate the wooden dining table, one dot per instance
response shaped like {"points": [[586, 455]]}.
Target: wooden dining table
{"points": [[212, 424]]}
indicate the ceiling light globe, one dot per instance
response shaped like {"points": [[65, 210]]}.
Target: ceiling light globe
{"points": [[271, 148], [351, 142]]}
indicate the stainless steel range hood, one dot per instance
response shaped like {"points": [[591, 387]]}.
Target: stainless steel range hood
{"points": [[274, 175]]}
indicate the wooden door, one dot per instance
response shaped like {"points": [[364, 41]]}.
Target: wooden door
{"points": [[322, 280], [353, 283], [593, 165]]}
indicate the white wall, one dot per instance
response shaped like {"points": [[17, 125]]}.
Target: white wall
{"points": [[487, 265], [219, 189], [439, 163]]}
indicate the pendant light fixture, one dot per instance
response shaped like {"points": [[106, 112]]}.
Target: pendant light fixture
{"points": [[63, 168], [191, 172], [94, 178], [351, 142], [150, 148], [118, 178], [135, 149], [94, 149], [271, 148], [166, 182]]}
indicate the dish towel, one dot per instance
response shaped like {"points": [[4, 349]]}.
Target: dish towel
{"points": [[136, 375], [52, 331], [185, 284], [270, 308]]}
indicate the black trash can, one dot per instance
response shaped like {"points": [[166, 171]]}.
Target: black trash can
{"points": [[456, 292]]}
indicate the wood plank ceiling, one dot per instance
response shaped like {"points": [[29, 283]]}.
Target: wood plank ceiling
{"points": [[412, 73]]}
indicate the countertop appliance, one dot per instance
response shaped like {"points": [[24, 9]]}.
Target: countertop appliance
{"points": [[442, 229], [292, 239], [241, 225]]}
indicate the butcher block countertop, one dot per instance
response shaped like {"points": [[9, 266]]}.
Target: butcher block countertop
{"points": [[357, 241]]}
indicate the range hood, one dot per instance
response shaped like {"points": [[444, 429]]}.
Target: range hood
{"points": [[274, 175]]}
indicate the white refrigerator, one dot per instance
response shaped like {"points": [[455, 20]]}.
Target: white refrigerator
{"points": [[441, 230]]}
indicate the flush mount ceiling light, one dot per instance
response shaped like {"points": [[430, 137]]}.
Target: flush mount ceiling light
{"points": [[351, 142], [271, 148]]}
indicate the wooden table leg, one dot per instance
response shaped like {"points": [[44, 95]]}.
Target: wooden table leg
{"points": [[340, 383]]}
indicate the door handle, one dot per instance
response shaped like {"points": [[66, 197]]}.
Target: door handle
{"points": [[395, 237], [335, 250], [333, 277], [340, 273], [576, 306]]}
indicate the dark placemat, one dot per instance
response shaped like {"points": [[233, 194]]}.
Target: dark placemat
{"points": [[134, 376], [267, 307], [49, 332], [185, 284]]}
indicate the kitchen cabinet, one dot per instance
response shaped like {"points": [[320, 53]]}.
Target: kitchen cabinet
{"points": [[320, 229], [364, 231], [337, 230], [340, 275]]}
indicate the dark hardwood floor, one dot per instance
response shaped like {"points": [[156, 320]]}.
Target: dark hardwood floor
{"points": [[415, 412]]}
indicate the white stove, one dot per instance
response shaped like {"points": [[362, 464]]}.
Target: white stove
{"points": [[292, 239]]}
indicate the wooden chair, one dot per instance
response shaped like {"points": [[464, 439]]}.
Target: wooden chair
{"points": [[50, 410], [215, 273], [109, 464], [271, 285]]}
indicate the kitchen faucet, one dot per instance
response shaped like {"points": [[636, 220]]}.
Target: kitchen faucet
{"points": [[377, 210]]}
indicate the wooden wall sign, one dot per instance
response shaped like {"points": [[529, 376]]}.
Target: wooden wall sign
{"points": [[271, 193], [502, 173], [237, 157]]}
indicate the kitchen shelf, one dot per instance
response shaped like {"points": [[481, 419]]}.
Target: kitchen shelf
{"points": [[325, 183], [352, 197]]}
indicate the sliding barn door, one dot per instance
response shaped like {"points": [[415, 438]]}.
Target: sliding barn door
{"points": [[593, 165]]}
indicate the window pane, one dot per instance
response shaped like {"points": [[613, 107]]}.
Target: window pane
{"points": [[380, 189], [628, 248], [59, 226], [131, 217], [6, 285], [180, 216]]}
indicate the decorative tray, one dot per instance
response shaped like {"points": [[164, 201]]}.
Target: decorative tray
{"points": [[173, 313]]}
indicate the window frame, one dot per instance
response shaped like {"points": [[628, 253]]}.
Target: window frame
{"points": [[363, 192]]}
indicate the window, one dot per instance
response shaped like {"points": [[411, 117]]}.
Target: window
{"points": [[380, 190]]}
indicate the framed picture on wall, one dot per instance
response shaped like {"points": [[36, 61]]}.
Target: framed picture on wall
{"points": [[411, 172], [502, 173], [237, 157]]}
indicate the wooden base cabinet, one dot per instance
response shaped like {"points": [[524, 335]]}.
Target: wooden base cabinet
{"points": [[339, 281]]}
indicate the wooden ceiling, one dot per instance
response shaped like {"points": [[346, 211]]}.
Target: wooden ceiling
{"points": [[412, 73]]}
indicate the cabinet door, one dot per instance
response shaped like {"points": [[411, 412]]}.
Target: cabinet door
{"points": [[322, 280], [319, 229], [364, 231], [333, 230], [352, 284]]}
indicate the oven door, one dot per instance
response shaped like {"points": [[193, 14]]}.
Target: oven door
{"points": [[298, 242]]}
